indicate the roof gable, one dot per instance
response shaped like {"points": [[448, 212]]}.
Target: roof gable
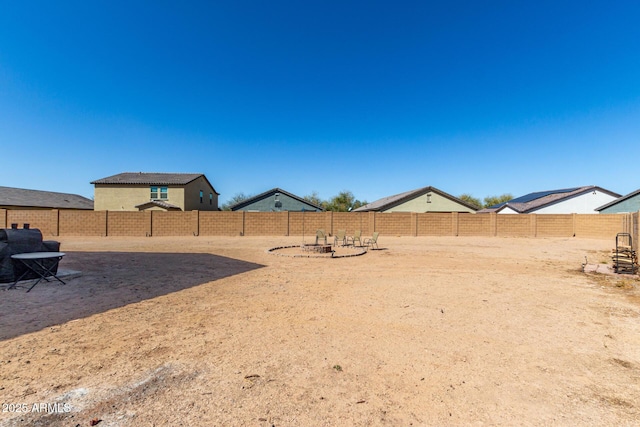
{"points": [[269, 193], [619, 200], [397, 199]]}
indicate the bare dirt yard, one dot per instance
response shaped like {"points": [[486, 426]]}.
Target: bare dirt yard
{"points": [[215, 331]]}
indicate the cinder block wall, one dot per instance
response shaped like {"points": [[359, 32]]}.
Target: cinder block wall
{"points": [[434, 224], [600, 226], [350, 222], [515, 226], [44, 220], [222, 223], [174, 223], [312, 222], [123, 223], [554, 225], [266, 223], [394, 224], [159, 223], [474, 225], [82, 223]]}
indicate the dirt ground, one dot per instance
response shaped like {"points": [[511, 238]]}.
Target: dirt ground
{"points": [[215, 331]]}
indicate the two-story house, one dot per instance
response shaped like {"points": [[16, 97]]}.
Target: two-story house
{"points": [[137, 191]]}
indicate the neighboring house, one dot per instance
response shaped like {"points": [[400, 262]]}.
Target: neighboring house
{"points": [[583, 200], [138, 191], [275, 200], [426, 199], [20, 198], [624, 204]]}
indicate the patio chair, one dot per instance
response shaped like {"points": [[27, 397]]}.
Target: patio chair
{"points": [[373, 241], [320, 234], [356, 236], [340, 237]]}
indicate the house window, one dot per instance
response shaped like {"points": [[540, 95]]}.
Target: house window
{"points": [[201, 194], [211, 198], [159, 193], [428, 197]]}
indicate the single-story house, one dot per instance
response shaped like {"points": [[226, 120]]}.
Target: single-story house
{"points": [[138, 191], [275, 200], [582, 200], [20, 198], [426, 199], [624, 204]]}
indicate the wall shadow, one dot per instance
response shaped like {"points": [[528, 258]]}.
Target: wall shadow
{"points": [[109, 280]]}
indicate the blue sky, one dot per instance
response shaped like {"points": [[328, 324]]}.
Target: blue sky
{"points": [[479, 97]]}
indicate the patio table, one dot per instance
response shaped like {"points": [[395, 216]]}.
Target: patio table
{"points": [[36, 262]]}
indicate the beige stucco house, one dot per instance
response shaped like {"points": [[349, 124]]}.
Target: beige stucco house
{"points": [[138, 191], [426, 199]]}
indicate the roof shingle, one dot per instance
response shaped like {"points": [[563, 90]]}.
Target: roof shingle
{"points": [[21, 197], [149, 178]]}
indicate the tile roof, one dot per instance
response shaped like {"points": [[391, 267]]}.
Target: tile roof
{"points": [[20, 197], [390, 201], [534, 201], [149, 178]]}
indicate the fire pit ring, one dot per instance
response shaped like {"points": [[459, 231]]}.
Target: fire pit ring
{"points": [[316, 251]]}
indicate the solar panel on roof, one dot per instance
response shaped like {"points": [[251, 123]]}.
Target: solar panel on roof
{"points": [[534, 196]]}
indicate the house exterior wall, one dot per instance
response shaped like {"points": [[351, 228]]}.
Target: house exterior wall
{"points": [[268, 204], [582, 204], [191, 196], [508, 211], [109, 197], [434, 203], [632, 204]]}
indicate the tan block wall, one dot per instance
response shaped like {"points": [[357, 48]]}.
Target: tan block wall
{"points": [[515, 225], [83, 223], [435, 224], [266, 223], [312, 221], [159, 223], [44, 220], [600, 226], [551, 225], [129, 223], [222, 223], [352, 221], [395, 224], [474, 225], [634, 229], [174, 223]]}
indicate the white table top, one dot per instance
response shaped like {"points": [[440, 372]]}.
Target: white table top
{"points": [[38, 255]]}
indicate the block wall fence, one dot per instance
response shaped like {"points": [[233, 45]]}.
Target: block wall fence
{"points": [[195, 223]]}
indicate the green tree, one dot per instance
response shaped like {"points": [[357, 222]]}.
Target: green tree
{"points": [[314, 198], [496, 200], [239, 197], [345, 201], [473, 201]]}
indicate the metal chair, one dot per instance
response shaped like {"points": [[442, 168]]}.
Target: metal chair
{"points": [[373, 241]]}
